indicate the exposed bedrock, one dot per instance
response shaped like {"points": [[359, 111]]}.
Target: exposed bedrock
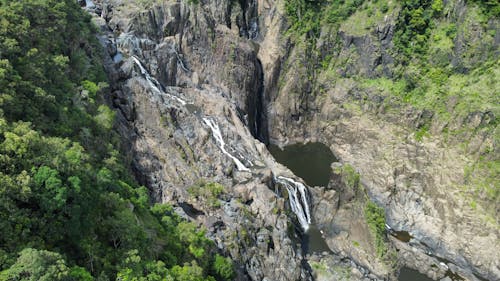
{"points": [[201, 88]]}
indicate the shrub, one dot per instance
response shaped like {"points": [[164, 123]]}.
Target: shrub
{"points": [[375, 218], [223, 267]]}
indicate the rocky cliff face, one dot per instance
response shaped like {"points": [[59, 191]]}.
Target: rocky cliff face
{"points": [[197, 85], [185, 82], [414, 180]]}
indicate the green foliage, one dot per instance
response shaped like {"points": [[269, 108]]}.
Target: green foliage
{"points": [[91, 87], [492, 7], [208, 193], [482, 178], [422, 132], [324, 271], [433, 77], [302, 15], [189, 272], [42, 60], [308, 16], [40, 265], [367, 16], [79, 274], [349, 175], [375, 218], [437, 6], [223, 267], [413, 27], [105, 117], [69, 209]]}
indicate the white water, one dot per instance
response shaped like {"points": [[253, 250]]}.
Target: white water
{"points": [[89, 4], [181, 63], [297, 195], [118, 57], [253, 29], [153, 83], [218, 137]]}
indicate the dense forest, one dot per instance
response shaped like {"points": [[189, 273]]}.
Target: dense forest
{"points": [[69, 206]]}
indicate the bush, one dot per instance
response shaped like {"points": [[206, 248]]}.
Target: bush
{"points": [[223, 268], [208, 193], [375, 218]]}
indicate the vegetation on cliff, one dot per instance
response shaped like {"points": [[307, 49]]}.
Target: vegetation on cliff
{"points": [[69, 209], [443, 62]]}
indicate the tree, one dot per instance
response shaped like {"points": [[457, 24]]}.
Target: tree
{"points": [[37, 265], [223, 267]]}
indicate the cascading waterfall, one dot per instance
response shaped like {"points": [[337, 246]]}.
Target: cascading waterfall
{"points": [[297, 195], [155, 85], [218, 137], [216, 132], [297, 191]]}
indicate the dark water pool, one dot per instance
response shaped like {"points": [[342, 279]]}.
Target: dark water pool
{"points": [[403, 236], [313, 241], [309, 161], [408, 274]]}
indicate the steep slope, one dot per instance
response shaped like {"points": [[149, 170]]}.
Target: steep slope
{"points": [[70, 208], [406, 93], [188, 105]]}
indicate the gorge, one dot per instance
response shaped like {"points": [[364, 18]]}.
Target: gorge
{"points": [[203, 90]]}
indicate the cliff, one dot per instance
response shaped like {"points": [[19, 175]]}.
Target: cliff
{"points": [[201, 86]]}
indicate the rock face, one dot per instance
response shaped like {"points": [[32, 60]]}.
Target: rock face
{"points": [[186, 82], [196, 86], [414, 180]]}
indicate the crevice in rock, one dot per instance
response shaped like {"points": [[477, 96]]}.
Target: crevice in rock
{"points": [[257, 115]]}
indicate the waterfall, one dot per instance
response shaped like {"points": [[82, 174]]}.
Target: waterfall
{"points": [[89, 4], [253, 31], [252, 15], [297, 195], [218, 137], [118, 57], [153, 83], [179, 60]]}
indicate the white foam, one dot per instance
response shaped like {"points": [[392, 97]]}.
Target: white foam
{"points": [[218, 137], [297, 195], [153, 83]]}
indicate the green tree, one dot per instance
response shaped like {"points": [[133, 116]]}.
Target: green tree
{"points": [[37, 265], [223, 267]]}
